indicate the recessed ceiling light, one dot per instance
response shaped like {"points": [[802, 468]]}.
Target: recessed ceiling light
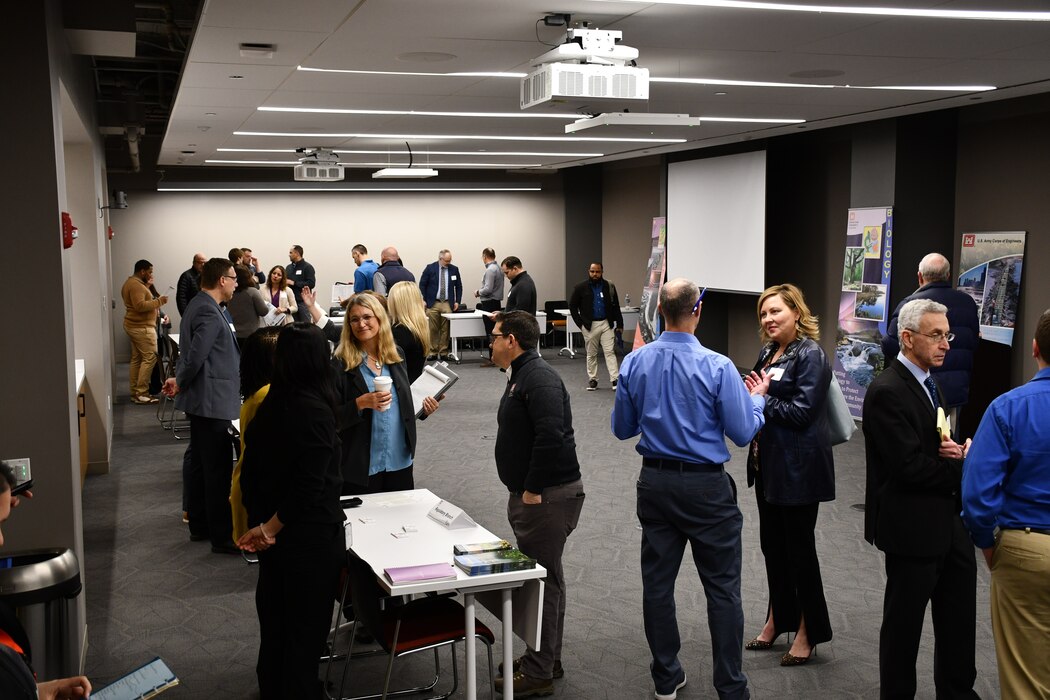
{"points": [[721, 94], [209, 114], [426, 57]]}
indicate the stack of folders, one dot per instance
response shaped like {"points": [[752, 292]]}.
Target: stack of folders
{"points": [[491, 558], [422, 572]]}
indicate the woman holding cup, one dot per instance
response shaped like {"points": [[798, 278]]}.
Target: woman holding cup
{"points": [[377, 422]]}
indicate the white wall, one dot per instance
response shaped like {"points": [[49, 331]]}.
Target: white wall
{"points": [[167, 228]]}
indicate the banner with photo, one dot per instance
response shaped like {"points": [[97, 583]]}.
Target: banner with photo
{"points": [[648, 316], [990, 267], [863, 312]]}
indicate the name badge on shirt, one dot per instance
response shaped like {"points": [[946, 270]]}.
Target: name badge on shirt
{"points": [[298, 272], [232, 329], [776, 373], [453, 278]]}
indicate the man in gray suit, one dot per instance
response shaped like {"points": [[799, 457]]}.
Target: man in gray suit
{"points": [[207, 387]]}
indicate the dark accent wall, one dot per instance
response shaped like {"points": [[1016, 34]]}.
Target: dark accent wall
{"points": [[583, 222]]}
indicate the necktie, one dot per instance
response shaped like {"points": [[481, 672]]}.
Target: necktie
{"points": [[931, 387], [441, 284]]}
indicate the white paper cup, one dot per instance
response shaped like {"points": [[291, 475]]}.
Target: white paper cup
{"points": [[384, 384]]}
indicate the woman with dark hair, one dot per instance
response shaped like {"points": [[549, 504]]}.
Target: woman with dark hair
{"points": [[247, 307], [291, 484], [277, 293], [378, 428], [256, 370], [17, 680], [792, 469]]}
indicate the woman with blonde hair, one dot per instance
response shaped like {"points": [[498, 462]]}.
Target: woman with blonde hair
{"points": [[792, 469], [277, 293], [409, 324], [377, 427]]}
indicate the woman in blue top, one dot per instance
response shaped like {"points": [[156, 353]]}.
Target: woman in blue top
{"points": [[378, 428], [792, 469]]}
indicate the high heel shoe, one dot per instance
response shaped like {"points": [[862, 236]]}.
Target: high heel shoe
{"points": [[758, 644], [790, 659]]}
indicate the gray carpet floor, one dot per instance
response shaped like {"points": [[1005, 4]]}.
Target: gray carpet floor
{"points": [[150, 591]]}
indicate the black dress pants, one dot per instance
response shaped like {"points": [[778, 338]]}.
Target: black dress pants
{"points": [[208, 479]]}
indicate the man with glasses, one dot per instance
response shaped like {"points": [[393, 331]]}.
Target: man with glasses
{"points": [[954, 375], [536, 461], [912, 513], [206, 386]]}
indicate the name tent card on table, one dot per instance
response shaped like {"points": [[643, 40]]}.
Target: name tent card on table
{"points": [[450, 517]]}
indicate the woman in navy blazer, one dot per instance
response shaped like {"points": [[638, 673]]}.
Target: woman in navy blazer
{"points": [[378, 428], [791, 466]]}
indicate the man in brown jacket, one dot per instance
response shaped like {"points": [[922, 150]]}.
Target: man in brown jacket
{"points": [[140, 323]]}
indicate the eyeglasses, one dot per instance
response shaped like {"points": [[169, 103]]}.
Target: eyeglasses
{"points": [[231, 277], [936, 337], [493, 336], [357, 320]]}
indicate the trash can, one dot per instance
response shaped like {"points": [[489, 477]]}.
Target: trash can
{"points": [[41, 584]]}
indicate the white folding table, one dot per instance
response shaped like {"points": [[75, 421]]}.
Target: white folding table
{"points": [[370, 536], [630, 322], [472, 325]]}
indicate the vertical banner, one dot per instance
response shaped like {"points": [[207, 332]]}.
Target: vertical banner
{"points": [[991, 265], [648, 316], [863, 312]]}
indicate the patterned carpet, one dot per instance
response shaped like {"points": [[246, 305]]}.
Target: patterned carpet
{"points": [[150, 591]]}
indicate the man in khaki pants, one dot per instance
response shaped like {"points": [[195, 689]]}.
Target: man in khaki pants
{"points": [[140, 323], [1004, 486], [595, 308]]}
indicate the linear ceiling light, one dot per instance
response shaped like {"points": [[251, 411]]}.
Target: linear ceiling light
{"points": [[455, 137], [531, 154], [376, 164], [1007, 15], [759, 83], [472, 74], [420, 113], [404, 173], [347, 187]]}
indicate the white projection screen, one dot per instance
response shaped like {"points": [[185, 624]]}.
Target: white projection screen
{"points": [[716, 222]]}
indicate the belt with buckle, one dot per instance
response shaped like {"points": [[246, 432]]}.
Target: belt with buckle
{"points": [[680, 466], [1035, 530]]}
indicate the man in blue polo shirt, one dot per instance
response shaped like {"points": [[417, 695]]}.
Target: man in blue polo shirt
{"points": [[1004, 486], [685, 400], [366, 269]]}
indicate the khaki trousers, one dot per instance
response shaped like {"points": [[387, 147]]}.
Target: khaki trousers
{"points": [[601, 337], [143, 357], [439, 327], [1020, 599]]}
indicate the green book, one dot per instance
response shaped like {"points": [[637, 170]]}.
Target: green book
{"points": [[479, 547], [494, 562]]}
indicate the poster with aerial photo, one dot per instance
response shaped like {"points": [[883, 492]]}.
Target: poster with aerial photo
{"points": [[648, 316], [862, 306], [991, 264]]}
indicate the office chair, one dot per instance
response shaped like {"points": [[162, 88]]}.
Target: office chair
{"points": [[555, 322], [167, 414], [424, 623]]}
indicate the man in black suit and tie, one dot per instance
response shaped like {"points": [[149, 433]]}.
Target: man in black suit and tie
{"points": [[912, 511]]}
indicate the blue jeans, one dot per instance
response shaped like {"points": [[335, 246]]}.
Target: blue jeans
{"points": [[698, 507]]}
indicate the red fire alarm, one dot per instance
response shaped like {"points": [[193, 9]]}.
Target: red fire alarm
{"points": [[68, 230], [109, 232]]}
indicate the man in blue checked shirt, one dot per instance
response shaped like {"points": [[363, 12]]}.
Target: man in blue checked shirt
{"points": [[685, 400], [1006, 485]]}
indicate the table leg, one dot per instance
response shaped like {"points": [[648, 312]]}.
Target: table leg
{"points": [[508, 644], [569, 345], [469, 645], [455, 349]]}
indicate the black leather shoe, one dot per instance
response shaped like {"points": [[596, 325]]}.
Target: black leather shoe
{"points": [[226, 548]]}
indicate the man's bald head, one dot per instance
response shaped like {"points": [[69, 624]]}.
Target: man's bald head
{"points": [[935, 268], [389, 253], [677, 299]]}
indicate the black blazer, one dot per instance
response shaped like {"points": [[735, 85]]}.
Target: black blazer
{"points": [[912, 497], [794, 447], [355, 427]]}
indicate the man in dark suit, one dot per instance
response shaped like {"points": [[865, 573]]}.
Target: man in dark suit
{"points": [[207, 387], [442, 290], [953, 377], [912, 513]]}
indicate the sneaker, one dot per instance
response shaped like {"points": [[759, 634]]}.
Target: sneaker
{"points": [[527, 686], [614, 384], [674, 693], [592, 385], [559, 672]]}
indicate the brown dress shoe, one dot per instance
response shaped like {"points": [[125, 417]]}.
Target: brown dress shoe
{"points": [[528, 686]]}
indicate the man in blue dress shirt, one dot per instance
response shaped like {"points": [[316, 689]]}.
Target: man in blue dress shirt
{"points": [[685, 400], [1005, 485]]}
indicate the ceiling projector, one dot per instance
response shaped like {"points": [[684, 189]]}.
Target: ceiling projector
{"points": [[317, 165], [589, 65]]}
